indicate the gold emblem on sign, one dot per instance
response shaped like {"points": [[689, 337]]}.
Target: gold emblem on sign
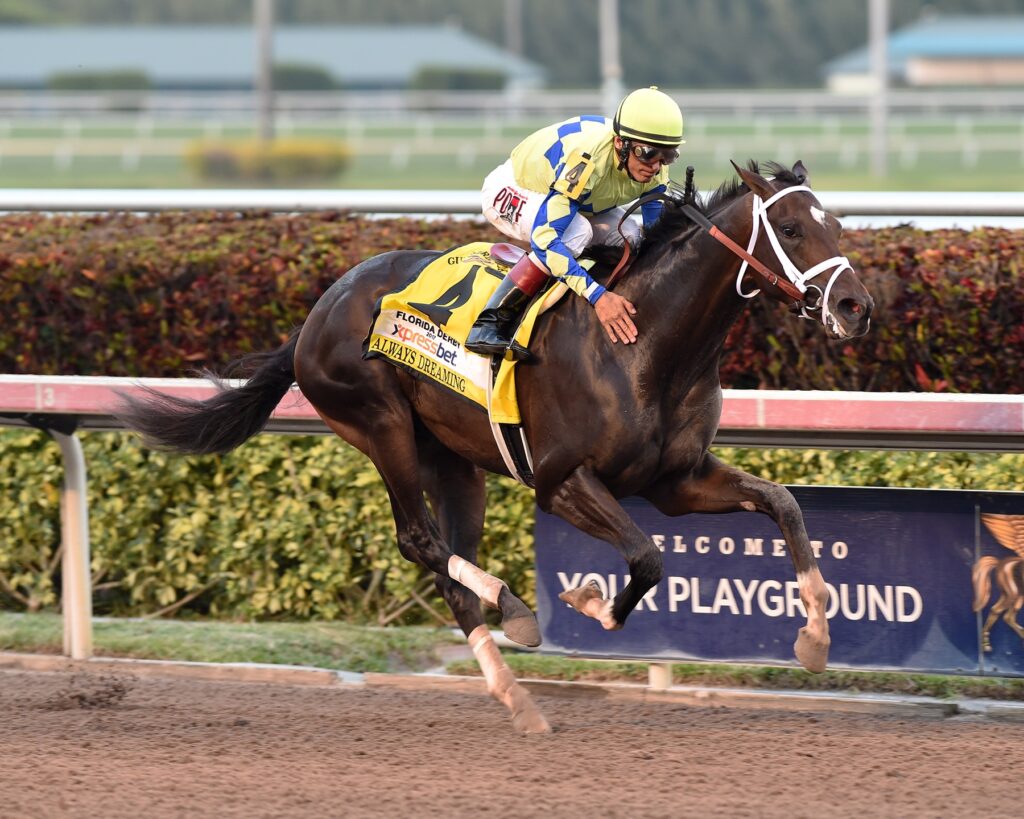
{"points": [[1008, 530]]}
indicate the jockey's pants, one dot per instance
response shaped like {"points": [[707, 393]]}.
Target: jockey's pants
{"points": [[513, 210]]}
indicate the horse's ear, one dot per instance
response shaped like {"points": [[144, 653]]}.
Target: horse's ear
{"points": [[801, 173], [757, 183]]}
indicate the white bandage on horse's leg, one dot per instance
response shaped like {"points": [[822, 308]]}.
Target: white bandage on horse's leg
{"points": [[486, 586], [814, 595], [499, 676], [503, 686]]}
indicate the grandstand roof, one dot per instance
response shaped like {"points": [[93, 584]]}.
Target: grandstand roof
{"points": [[363, 56], [954, 37]]}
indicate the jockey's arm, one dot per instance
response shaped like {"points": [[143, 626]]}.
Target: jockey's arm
{"points": [[548, 248], [651, 211]]}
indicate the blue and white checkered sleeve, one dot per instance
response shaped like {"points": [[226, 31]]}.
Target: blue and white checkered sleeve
{"points": [[554, 216]]}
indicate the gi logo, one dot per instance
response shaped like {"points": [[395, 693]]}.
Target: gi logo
{"points": [[509, 204], [1008, 530]]}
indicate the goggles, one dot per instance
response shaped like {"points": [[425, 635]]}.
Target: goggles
{"points": [[651, 153]]}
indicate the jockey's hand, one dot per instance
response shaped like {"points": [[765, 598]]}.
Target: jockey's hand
{"points": [[614, 313]]}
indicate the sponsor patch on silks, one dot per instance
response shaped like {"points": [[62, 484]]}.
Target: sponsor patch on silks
{"points": [[422, 327], [575, 174]]}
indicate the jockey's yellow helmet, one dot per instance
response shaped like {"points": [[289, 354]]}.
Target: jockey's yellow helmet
{"points": [[650, 116]]}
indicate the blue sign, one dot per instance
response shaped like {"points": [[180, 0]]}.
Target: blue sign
{"points": [[904, 568]]}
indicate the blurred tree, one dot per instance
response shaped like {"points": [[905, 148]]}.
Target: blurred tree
{"points": [[301, 77], [673, 43]]}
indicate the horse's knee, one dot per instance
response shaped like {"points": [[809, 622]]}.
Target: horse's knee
{"points": [[782, 503]]}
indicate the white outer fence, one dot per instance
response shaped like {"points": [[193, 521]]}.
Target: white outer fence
{"points": [[544, 103], [62, 404], [842, 203]]}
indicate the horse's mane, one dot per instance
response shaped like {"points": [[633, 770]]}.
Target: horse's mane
{"points": [[674, 225]]}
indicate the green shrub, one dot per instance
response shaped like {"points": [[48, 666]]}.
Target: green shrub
{"points": [[128, 295], [160, 295], [275, 162], [121, 80], [285, 526], [449, 78], [302, 77], [300, 527]]}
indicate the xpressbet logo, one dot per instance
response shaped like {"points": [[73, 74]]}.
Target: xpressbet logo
{"points": [[426, 343]]}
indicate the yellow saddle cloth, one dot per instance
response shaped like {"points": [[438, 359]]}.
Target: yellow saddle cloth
{"points": [[422, 328]]}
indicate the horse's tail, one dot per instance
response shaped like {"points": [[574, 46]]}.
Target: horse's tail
{"points": [[981, 578], [223, 422]]}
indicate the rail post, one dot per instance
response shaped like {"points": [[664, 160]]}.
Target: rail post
{"points": [[76, 593]]}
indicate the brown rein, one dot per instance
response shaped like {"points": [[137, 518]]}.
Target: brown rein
{"points": [[685, 203]]}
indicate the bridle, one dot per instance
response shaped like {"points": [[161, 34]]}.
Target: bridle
{"points": [[796, 286], [800, 280]]}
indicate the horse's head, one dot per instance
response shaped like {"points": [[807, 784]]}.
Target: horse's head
{"points": [[794, 236]]}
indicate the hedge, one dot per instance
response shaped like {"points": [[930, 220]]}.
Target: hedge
{"points": [[153, 296], [300, 527], [286, 526]]}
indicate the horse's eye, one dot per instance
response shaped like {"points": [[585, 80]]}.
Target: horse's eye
{"points": [[790, 230]]}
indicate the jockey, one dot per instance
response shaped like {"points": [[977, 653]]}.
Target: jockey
{"points": [[563, 189]]}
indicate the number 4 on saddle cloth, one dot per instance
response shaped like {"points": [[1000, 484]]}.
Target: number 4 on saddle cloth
{"points": [[423, 326]]}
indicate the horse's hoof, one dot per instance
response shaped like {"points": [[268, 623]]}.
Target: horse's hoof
{"points": [[588, 600], [522, 630], [579, 597], [517, 621], [812, 653], [531, 723], [526, 718]]}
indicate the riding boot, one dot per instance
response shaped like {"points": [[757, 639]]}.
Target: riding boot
{"points": [[492, 332]]}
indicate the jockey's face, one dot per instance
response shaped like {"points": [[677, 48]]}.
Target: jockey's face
{"points": [[643, 162]]}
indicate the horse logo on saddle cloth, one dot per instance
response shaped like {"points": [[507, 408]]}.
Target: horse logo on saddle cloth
{"points": [[423, 326]]}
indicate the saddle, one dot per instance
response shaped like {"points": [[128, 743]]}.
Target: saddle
{"points": [[421, 328]]}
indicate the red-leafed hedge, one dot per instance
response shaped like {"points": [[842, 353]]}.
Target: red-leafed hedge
{"points": [[159, 295]]}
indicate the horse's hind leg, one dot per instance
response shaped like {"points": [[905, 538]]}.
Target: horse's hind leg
{"points": [[457, 493], [391, 445], [719, 488]]}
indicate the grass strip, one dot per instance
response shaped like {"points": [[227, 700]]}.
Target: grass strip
{"points": [[331, 645], [345, 647]]}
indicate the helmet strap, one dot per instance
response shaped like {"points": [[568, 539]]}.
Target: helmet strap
{"points": [[627, 146]]}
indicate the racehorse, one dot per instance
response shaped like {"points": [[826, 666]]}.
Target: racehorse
{"points": [[603, 420]]}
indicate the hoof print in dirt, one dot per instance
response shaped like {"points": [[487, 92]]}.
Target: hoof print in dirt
{"points": [[91, 691]]}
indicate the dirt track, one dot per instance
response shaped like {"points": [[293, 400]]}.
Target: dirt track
{"points": [[111, 745]]}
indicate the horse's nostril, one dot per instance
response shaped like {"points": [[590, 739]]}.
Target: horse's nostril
{"points": [[855, 309]]}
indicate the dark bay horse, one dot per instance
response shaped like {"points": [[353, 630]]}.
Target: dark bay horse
{"points": [[603, 420]]}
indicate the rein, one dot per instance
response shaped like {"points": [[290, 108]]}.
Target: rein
{"points": [[748, 258], [795, 286]]}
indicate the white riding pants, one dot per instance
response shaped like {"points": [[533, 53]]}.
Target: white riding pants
{"points": [[513, 210]]}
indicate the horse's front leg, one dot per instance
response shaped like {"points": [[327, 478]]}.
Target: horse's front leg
{"points": [[717, 488], [585, 502], [457, 493]]}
